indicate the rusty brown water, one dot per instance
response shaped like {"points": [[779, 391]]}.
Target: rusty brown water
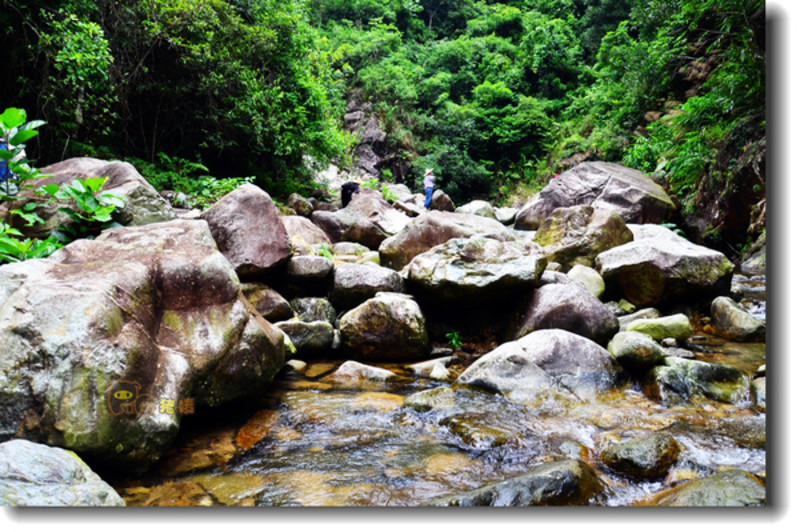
{"points": [[315, 441]]}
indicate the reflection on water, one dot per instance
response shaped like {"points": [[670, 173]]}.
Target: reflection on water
{"points": [[312, 441]]}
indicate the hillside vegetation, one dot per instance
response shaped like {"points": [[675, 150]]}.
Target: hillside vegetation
{"points": [[496, 96]]}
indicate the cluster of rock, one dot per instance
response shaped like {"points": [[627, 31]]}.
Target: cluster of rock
{"points": [[108, 343]]}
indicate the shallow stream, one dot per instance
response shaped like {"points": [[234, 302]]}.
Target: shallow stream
{"points": [[314, 441]]}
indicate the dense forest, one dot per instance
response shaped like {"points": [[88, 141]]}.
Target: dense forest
{"points": [[495, 96]]}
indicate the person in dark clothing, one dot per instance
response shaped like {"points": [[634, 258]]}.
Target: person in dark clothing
{"points": [[348, 189]]}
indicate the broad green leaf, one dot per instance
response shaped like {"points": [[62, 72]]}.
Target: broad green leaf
{"points": [[13, 117], [23, 136]]}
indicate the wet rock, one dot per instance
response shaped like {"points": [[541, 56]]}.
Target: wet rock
{"points": [[368, 219], [760, 393], [143, 204], [728, 488], [310, 339], [442, 398], [636, 352], [387, 327], [268, 302], [355, 283], [756, 261], [425, 368], [314, 309], [474, 431], [306, 238], [477, 208], [151, 312], [570, 307], [731, 320], [675, 326], [545, 364], [645, 313], [434, 228], [680, 380], [559, 483], [473, 271], [232, 220], [648, 458], [256, 429], [576, 235], [32, 474], [660, 266], [628, 192], [589, 278], [352, 370]]}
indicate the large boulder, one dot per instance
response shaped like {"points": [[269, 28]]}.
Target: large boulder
{"points": [[368, 219], [576, 235], [636, 352], [306, 238], [355, 283], [660, 267], [32, 474], [478, 208], [388, 327], [143, 204], [732, 320], [545, 364], [628, 192], [571, 307], [559, 483], [108, 343], [247, 227], [475, 270], [434, 228]]}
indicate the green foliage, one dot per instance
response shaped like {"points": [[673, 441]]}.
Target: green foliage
{"points": [[92, 212], [454, 339], [15, 248]]}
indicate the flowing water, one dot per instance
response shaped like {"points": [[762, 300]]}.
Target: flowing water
{"points": [[316, 441]]}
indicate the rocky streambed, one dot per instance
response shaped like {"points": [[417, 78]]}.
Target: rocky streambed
{"points": [[574, 352]]}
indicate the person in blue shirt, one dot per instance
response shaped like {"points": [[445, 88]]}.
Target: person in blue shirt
{"points": [[428, 184]]}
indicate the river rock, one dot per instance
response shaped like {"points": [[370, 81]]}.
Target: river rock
{"points": [[568, 306], [731, 320], [645, 313], [307, 275], [760, 393], [648, 458], [662, 267], [305, 237], [545, 364], [576, 235], [143, 204], [434, 228], [559, 483], [636, 352], [440, 201], [313, 309], [675, 326], [478, 208], [505, 215], [352, 370], [589, 278], [368, 219], [728, 488], [32, 474], [355, 283], [474, 270], [152, 312], [679, 380], [628, 192], [388, 327], [247, 228], [300, 205], [310, 338], [268, 302]]}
